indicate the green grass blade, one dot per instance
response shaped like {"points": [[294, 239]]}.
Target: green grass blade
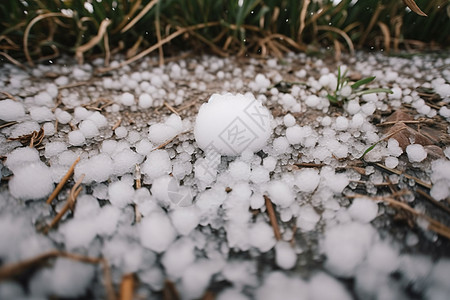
{"points": [[332, 99], [338, 79], [377, 90], [362, 82], [368, 150]]}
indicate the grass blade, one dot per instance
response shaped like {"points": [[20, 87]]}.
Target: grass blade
{"points": [[362, 82], [377, 90], [332, 99]]}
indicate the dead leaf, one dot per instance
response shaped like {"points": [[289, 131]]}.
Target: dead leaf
{"points": [[407, 136], [426, 132], [434, 152]]}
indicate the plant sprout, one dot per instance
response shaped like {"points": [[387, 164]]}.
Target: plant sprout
{"points": [[346, 91]]}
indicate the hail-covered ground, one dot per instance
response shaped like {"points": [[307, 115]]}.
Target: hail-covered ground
{"points": [[183, 199]]}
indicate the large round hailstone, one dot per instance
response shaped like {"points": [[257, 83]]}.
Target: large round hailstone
{"points": [[363, 210], [11, 110], [31, 181], [157, 232], [229, 124]]}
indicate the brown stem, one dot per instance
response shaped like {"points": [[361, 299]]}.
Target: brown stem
{"points": [[272, 218]]}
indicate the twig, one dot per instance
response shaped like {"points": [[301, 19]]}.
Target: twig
{"points": [[93, 106], [107, 50], [309, 165], [28, 29], [8, 124], [94, 41], [413, 6], [375, 15], [9, 96], [167, 39], [347, 39], [168, 141], [158, 38], [170, 107], [38, 137], [70, 203], [62, 182], [366, 182], [14, 269], [432, 200], [272, 218], [127, 287], [139, 16], [117, 124], [170, 292], [396, 122], [398, 195], [302, 19], [181, 108], [33, 139], [137, 176], [417, 180], [433, 225], [12, 60], [137, 214]]}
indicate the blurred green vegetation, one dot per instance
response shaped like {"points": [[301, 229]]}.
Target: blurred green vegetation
{"points": [[36, 30]]}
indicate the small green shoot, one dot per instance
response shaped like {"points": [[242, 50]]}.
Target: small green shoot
{"points": [[338, 97], [368, 150]]}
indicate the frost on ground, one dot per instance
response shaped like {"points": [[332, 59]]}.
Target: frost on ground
{"points": [[262, 195]]}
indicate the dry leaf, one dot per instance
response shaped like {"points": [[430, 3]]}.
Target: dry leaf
{"points": [[426, 132]]}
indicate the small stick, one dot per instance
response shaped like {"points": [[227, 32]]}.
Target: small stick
{"points": [[74, 192], [137, 214], [170, 107], [417, 180], [12, 60], [170, 292], [272, 218], [169, 141], [117, 124], [365, 182], [137, 176], [127, 287], [397, 122], [7, 271], [62, 182], [8, 124], [111, 294], [106, 104], [309, 165], [93, 108], [433, 225], [181, 108], [73, 127], [165, 143], [434, 201], [36, 137], [8, 95]]}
